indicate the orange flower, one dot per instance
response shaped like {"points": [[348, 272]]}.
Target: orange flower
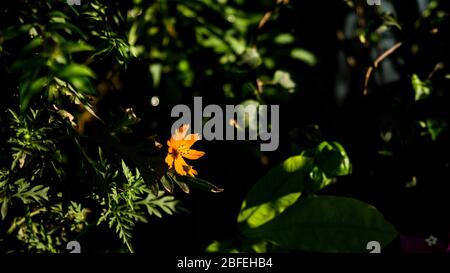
{"points": [[180, 148]]}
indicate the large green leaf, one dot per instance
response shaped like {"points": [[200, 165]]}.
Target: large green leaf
{"points": [[326, 224], [276, 191]]}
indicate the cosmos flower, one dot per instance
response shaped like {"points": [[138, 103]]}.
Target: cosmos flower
{"points": [[179, 148]]}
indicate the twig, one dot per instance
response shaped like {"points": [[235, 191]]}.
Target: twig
{"points": [[436, 68], [377, 62], [264, 19]]}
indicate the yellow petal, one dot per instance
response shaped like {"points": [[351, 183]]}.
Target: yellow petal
{"points": [[180, 133], [193, 154], [179, 163], [169, 160], [172, 143], [191, 139], [192, 172]]}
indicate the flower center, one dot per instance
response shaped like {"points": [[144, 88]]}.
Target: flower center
{"points": [[182, 149]]}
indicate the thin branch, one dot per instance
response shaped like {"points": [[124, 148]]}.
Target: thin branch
{"points": [[264, 19], [268, 14], [436, 68], [387, 53], [377, 62]]}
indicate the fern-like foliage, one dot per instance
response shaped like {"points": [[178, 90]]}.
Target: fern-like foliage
{"points": [[133, 202], [21, 190]]}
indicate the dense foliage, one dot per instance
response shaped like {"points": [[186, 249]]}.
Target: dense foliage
{"points": [[85, 103]]}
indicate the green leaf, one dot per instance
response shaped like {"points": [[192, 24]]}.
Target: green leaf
{"points": [[32, 45], [207, 38], [251, 57], [38, 193], [422, 89], [332, 159], [283, 78], [67, 27], [389, 20], [133, 34], [76, 70], [304, 55], [178, 179], [78, 76], [82, 85], [167, 183], [199, 183], [80, 46], [57, 13], [275, 192], [319, 180], [155, 70], [27, 195], [436, 127], [226, 246], [284, 38], [167, 204], [142, 154], [14, 31], [4, 209], [326, 224], [28, 91], [127, 172]]}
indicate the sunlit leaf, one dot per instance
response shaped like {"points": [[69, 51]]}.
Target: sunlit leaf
{"points": [[226, 246], [284, 38], [76, 70], [4, 208], [304, 55], [275, 192], [422, 89], [332, 159], [251, 58], [435, 127], [326, 224], [133, 34], [80, 46], [283, 78], [155, 70]]}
